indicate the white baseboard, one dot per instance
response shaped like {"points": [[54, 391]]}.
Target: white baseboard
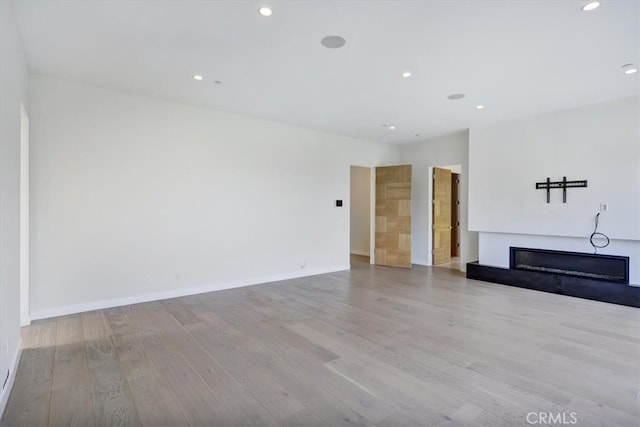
{"points": [[175, 293], [13, 367], [359, 252]]}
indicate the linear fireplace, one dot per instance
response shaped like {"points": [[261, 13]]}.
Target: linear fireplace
{"points": [[591, 276], [609, 268]]}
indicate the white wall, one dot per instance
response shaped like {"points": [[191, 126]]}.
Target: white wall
{"points": [[447, 150], [135, 198], [13, 92], [360, 210], [599, 143]]}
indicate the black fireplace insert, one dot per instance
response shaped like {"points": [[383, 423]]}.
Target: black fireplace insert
{"points": [[610, 268]]}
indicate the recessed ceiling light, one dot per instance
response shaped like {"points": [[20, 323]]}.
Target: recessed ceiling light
{"points": [[197, 77], [630, 69], [587, 7], [455, 96], [480, 107], [392, 127], [217, 82], [333, 42], [406, 74], [265, 11]]}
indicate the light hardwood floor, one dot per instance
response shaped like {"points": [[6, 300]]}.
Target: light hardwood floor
{"points": [[371, 346], [455, 264]]}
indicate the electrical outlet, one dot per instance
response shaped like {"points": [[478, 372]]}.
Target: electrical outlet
{"points": [[604, 207], [303, 264]]}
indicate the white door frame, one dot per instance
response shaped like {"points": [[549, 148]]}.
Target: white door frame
{"points": [[372, 216], [25, 312], [456, 169]]}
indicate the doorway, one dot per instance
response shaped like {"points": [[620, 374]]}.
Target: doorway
{"points": [[360, 214], [445, 216]]}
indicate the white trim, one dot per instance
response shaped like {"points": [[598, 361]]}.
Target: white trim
{"points": [[430, 216], [359, 252], [372, 215], [174, 293], [13, 367], [25, 319]]}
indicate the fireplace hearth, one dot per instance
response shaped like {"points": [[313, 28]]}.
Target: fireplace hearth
{"points": [[583, 275]]}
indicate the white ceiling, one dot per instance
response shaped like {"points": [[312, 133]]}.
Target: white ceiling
{"points": [[517, 58]]}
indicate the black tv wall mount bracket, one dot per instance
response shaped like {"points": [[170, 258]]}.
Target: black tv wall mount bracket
{"points": [[564, 184]]}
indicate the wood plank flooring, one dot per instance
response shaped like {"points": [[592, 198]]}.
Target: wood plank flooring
{"points": [[374, 346]]}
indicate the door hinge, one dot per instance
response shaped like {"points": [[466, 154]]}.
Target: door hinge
{"points": [[433, 176], [458, 181], [433, 202], [433, 226], [458, 202]]}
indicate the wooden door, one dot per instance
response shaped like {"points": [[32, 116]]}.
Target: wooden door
{"points": [[393, 216], [455, 218], [441, 216]]}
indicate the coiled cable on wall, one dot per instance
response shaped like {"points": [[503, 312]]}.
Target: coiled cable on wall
{"points": [[598, 240]]}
